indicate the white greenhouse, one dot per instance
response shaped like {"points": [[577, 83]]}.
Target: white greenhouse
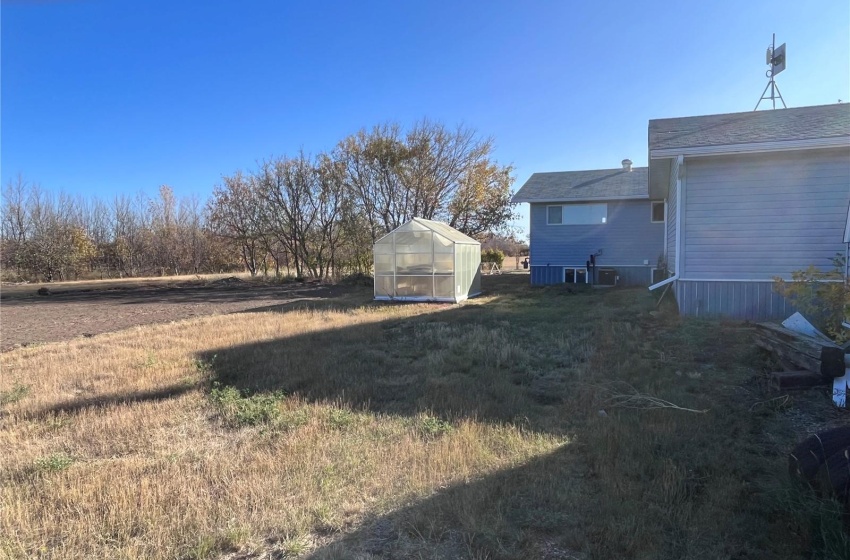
{"points": [[424, 260]]}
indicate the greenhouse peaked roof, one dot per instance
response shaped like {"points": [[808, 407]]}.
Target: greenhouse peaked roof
{"points": [[445, 230]]}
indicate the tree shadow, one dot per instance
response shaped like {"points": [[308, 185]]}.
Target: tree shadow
{"points": [[210, 294], [112, 399], [529, 511], [455, 362]]}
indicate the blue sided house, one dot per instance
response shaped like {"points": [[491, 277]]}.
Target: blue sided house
{"points": [[750, 197], [596, 227], [728, 204]]}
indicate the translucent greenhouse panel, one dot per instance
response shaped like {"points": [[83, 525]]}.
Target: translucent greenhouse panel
{"points": [[475, 287], [444, 286], [413, 242], [383, 264], [413, 263], [443, 245], [412, 226], [384, 286], [459, 272], [384, 246], [414, 286], [444, 263], [467, 272]]}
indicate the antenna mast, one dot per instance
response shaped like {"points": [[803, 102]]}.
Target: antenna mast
{"points": [[776, 60]]}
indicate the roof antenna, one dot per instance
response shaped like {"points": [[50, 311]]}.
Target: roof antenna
{"points": [[775, 58]]}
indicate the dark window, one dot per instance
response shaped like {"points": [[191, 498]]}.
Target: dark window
{"points": [[569, 275], [581, 276], [657, 212]]}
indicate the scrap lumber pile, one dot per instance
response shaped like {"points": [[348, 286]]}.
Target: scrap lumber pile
{"points": [[810, 360]]}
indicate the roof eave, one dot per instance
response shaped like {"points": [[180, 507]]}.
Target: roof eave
{"points": [[752, 147], [584, 199]]}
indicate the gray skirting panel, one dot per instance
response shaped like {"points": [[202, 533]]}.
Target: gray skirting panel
{"points": [[753, 301]]}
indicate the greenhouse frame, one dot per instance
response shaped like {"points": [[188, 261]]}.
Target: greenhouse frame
{"points": [[424, 260]]}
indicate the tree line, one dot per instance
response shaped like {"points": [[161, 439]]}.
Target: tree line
{"points": [[305, 215]]}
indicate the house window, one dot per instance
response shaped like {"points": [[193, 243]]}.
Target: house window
{"points": [[577, 214], [575, 275], [658, 212]]}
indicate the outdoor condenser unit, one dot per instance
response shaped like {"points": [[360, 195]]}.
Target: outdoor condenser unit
{"points": [[607, 277]]}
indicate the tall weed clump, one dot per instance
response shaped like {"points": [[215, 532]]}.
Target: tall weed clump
{"points": [[822, 296]]}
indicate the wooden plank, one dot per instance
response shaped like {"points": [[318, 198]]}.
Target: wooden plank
{"points": [[787, 355], [795, 379], [820, 356]]}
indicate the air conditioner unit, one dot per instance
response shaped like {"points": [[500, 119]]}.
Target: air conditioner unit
{"points": [[606, 277]]}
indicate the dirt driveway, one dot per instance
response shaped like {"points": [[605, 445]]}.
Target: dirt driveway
{"points": [[63, 315]]}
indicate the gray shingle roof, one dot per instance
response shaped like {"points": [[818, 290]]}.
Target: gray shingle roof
{"points": [[799, 123], [576, 186]]}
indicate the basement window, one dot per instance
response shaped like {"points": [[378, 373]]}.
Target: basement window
{"points": [[575, 275], [658, 212]]}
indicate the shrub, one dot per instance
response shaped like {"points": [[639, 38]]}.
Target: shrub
{"points": [[340, 418], [13, 395], [822, 296], [430, 427], [239, 410], [54, 462], [493, 256]]}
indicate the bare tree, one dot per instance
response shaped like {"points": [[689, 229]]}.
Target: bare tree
{"points": [[235, 214], [429, 172], [15, 224]]}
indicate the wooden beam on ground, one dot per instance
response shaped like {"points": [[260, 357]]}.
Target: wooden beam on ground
{"points": [[812, 354], [795, 379]]}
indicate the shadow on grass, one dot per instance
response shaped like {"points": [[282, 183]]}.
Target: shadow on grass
{"points": [[77, 405], [535, 510], [455, 362], [651, 484]]}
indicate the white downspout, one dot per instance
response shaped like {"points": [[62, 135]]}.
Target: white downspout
{"points": [[844, 323], [680, 160]]}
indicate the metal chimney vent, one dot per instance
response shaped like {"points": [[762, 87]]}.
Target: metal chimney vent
{"points": [[627, 165]]}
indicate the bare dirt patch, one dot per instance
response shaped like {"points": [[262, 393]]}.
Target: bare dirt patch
{"points": [[71, 312]]}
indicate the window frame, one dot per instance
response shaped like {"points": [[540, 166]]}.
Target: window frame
{"points": [[575, 270], [563, 223], [652, 204]]}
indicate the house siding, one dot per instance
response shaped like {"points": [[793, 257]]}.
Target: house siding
{"points": [[627, 239], [626, 275], [750, 301], [758, 216], [672, 203]]}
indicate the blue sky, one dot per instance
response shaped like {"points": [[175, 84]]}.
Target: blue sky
{"points": [[109, 96]]}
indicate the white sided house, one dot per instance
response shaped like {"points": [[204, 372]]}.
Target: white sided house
{"points": [[424, 260], [749, 197]]}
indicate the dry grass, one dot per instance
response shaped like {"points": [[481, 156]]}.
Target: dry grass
{"points": [[396, 431]]}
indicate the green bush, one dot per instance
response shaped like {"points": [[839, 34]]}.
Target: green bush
{"points": [[430, 427], [239, 410], [16, 393], [492, 256], [55, 462]]}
